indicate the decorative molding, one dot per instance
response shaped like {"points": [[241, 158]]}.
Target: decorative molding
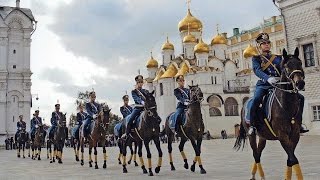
{"points": [[4, 41]]}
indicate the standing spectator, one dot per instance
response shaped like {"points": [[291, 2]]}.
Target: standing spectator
{"points": [[7, 143], [11, 143]]}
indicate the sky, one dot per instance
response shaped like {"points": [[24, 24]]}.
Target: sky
{"points": [[101, 44]]}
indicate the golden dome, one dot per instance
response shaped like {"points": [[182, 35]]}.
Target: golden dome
{"points": [[171, 71], [250, 51], [152, 63], [201, 47], [167, 45], [184, 68], [159, 74], [189, 39], [194, 23], [219, 39]]}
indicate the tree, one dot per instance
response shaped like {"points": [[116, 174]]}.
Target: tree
{"points": [[114, 119], [83, 97], [72, 121]]}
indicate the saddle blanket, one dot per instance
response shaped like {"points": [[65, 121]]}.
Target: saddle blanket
{"points": [[266, 106], [117, 129], [173, 123]]}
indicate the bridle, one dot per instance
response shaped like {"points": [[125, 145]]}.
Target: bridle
{"points": [[289, 77], [195, 95]]}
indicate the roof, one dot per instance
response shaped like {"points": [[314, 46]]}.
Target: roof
{"points": [[6, 10]]}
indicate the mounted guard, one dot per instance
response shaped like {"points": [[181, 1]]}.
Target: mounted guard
{"points": [[55, 117], [92, 108], [21, 125], [35, 121], [267, 67]]}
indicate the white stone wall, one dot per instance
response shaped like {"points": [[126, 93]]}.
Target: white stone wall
{"points": [[302, 23], [15, 73], [189, 53], [167, 56], [202, 59]]}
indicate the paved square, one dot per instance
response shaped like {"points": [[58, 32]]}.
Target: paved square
{"points": [[219, 159]]}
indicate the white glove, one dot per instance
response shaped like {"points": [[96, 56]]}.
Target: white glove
{"points": [[186, 103], [20, 128], [94, 116], [272, 80], [142, 102]]}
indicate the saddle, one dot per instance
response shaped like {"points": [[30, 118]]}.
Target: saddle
{"points": [[181, 120], [264, 108]]}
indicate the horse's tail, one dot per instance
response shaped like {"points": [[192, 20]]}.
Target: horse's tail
{"points": [[241, 138]]}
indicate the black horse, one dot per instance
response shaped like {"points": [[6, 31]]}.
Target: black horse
{"points": [[22, 139], [149, 129], [130, 142], [37, 142], [286, 117], [192, 130]]}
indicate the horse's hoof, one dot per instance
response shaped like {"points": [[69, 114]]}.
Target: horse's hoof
{"points": [[18, 156], [157, 170], [202, 171], [186, 165], [96, 167], [90, 165], [144, 170], [77, 159], [39, 158], [51, 161], [28, 155], [129, 162], [24, 157], [193, 168], [173, 168], [104, 166], [136, 164], [125, 170], [82, 163], [60, 162], [150, 173]]}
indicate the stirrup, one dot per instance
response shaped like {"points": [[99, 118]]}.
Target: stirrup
{"points": [[252, 130]]}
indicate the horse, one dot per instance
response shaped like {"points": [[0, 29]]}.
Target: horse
{"points": [[129, 143], [149, 129], [192, 130], [37, 142], [286, 118], [97, 135], [58, 140], [22, 139]]}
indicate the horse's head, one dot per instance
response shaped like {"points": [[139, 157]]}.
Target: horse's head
{"points": [[63, 120], [292, 70], [105, 113], [150, 104], [196, 94]]}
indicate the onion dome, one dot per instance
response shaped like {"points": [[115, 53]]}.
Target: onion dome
{"points": [[171, 71], [194, 23], [159, 74], [167, 45], [250, 51], [184, 68], [189, 39], [201, 47], [152, 63], [219, 39]]}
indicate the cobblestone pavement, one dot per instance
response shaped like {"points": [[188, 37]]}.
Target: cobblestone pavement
{"points": [[218, 157]]}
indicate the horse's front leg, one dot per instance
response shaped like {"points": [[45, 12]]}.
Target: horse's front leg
{"points": [[18, 150], [292, 162], [123, 151], [146, 144], [170, 139], [141, 158], [157, 143], [181, 146], [135, 154], [131, 150], [39, 152], [104, 155], [257, 150], [90, 157], [198, 157], [82, 150], [95, 156]]}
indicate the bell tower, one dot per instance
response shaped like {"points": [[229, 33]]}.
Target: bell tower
{"points": [[17, 26]]}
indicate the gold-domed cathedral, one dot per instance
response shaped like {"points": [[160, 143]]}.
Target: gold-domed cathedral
{"points": [[218, 67]]}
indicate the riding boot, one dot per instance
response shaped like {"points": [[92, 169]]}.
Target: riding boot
{"points": [[252, 129], [303, 130]]}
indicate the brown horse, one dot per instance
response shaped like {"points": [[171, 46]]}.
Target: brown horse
{"points": [[37, 142], [192, 130], [21, 141], [149, 129], [97, 135], [58, 140], [286, 117]]}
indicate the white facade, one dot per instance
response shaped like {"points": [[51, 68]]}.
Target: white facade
{"points": [[302, 24], [224, 76], [16, 27]]}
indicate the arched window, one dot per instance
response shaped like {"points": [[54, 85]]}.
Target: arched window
{"points": [[231, 107], [214, 105], [213, 111]]}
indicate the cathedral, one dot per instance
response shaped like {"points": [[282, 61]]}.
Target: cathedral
{"points": [[16, 28], [221, 68]]}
